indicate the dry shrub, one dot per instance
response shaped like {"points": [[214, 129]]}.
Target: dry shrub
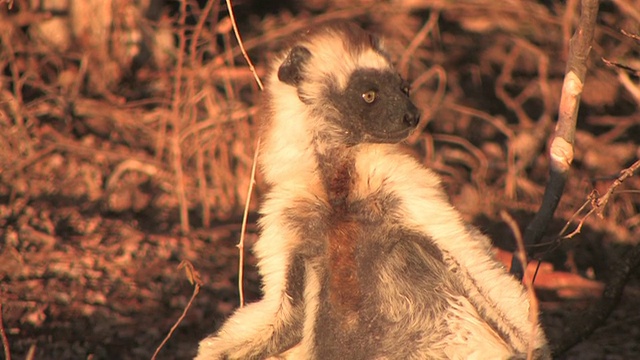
{"points": [[95, 82]]}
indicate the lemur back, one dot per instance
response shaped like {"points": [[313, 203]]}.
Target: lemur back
{"points": [[361, 254]]}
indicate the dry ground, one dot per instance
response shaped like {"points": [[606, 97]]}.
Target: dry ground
{"points": [[127, 134]]}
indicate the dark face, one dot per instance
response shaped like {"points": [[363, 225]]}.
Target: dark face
{"points": [[375, 107]]}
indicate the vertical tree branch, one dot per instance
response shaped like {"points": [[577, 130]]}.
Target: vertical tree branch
{"points": [[561, 149], [245, 216], [232, 16]]}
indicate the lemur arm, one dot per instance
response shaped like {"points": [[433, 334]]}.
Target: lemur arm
{"points": [[273, 325], [257, 331], [491, 289]]}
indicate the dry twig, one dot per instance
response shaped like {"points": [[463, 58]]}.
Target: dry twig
{"points": [[403, 64], [583, 325], [435, 101], [528, 282], [245, 215], [598, 203], [244, 52], [3, 335], [624, 174], [245, 220], [194, 279]]}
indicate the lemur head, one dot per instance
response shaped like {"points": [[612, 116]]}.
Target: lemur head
{"points": [[342, 75]]}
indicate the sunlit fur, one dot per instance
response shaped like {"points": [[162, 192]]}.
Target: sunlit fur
{"points": [[430, 288]]}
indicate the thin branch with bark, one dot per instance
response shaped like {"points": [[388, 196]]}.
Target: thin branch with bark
{"points": [[599, 203], [561, 150]]}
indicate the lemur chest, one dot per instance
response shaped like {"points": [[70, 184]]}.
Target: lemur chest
{"points": [[345, 232], [356, 234]]}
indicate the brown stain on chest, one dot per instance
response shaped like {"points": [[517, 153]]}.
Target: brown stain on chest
{"points": [[345, 294]]}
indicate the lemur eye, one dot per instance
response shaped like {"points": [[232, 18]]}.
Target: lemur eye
{"points": [[405, 90], [369, 96]]}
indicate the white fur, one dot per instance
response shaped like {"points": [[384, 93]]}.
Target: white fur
{"points": [[426, 209], [256, 323]]}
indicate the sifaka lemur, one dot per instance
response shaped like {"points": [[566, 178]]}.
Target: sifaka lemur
{"points": [[362, 256]]}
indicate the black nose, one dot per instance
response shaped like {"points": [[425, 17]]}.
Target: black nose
{"points": [[411, 119]]}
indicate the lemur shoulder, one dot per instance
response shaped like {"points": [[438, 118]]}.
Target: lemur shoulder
{"points": [[362, 256]]}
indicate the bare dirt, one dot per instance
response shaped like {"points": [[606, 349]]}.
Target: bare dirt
{"points": [[127, 135]]}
